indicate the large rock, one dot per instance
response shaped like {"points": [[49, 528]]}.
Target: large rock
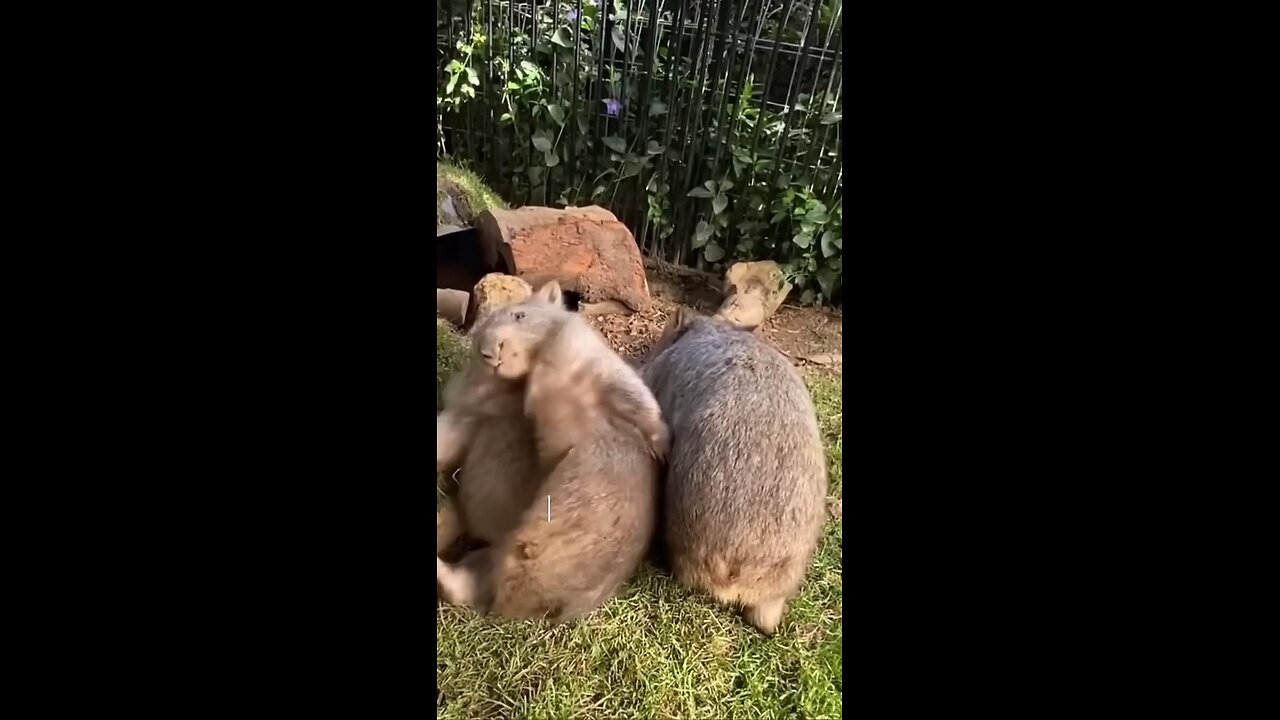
{"points": [[753, 292], [585, 249], [496, 290]]}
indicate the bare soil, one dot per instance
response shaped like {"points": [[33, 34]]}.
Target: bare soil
{"points": [[811, 337]]}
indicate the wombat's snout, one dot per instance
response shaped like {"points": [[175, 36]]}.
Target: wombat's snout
{"points": [[492, 357]]}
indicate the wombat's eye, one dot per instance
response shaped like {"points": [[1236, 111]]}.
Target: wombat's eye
{"points": [[519, 316]]}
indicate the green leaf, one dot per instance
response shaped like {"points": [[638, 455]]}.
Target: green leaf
{"points": [[710, 185], [619, 12], [724, 186], [541, 141], [513, 86], [530, 68], [615, 144], [598, 191], [826, 281], [453, 82], [657, 108], [818, 214], [619, 40], [453, 67], [563, 38], [831, 117], [804, 240], [582, 124], [828, 247], [653, 148], [557, 113], [778, 217], [719, 204], [701, 234], [713, 253], [472, 77], [505, 117], [699, 193], [806, 298], [551, 158], [807, 227]]}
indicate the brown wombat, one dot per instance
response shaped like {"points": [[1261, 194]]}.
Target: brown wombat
{"points": [[598, 430], [746, 478]]}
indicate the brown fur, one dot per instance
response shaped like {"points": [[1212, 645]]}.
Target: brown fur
{"points": [[746, 482], [601, 471], [484, 432]]}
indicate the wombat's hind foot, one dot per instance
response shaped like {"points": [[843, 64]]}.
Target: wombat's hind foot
{"points": [[766, 615], [460, 585]]}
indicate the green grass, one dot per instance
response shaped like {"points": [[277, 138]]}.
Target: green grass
{"points": [[451, 355], [476, 196], [657, 650]]}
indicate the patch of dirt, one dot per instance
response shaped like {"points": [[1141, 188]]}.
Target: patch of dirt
{"points": [[811, 337]]}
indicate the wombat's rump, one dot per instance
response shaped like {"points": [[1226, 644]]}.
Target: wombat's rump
{"points": [[746, 479]]}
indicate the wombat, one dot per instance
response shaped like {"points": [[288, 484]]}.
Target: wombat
{"points": [[746, 482], [598, 433]]}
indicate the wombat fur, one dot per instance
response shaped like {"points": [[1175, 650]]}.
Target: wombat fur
{"points": [[483, 431], [598, 431], [746, 480]]}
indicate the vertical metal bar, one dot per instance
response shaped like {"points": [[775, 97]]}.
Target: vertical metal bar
{"points": [[571, 112], [654, 30], [791, 85], [692, 131], [768, 85], [673, 57]]}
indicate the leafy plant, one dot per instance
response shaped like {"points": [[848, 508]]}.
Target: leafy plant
{"points": [[708, 160]]}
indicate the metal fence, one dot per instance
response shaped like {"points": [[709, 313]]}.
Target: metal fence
{"points": [[710, 128]]}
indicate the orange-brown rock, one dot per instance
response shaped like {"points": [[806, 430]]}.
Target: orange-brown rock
{"points": [[585, 249]]}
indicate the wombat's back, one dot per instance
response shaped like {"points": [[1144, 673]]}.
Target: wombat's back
{"points": [[603, 497], [746, 480]]}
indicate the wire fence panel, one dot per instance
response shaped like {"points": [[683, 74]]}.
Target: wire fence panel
{"points": [[710, 128]]}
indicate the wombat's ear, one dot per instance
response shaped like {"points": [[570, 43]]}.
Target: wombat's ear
{"points": [[551, 293]]}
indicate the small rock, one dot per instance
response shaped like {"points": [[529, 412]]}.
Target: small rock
{"points": [[745, 310], [753, 292], [823, 358], [452, 305], [497, 290], [607, 307]]}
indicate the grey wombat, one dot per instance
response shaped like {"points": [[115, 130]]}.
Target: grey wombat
{"points": [[598, 431], [746, 480]]}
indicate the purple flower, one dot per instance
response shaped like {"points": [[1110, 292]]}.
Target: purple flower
{"points": [[571, 16], [613, 107]]}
